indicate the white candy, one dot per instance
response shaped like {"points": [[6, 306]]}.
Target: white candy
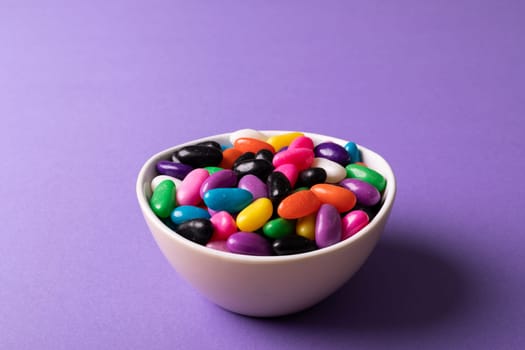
{"points": [[251, 133], [159, 178], [335, 172]]}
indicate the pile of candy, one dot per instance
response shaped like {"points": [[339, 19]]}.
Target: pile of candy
{"points": [[263, 195]]}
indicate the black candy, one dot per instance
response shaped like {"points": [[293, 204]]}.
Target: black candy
{"points": [[196, 230], [265, 154], [199, 156], [310, 177], [210, 143], [278, 187], [243, 157], [257, 167], [293, 244]]}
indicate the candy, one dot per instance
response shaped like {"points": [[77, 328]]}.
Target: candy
{"points": [[293, 244], [231, 200], [335, 172], [254, 185], [162, 200], [248, 243], [341, 198], [188, 193], [247, 144], [223, 226], [176, 170], [278, 228], [327, 226], [278, 187], [198, 156], [266, 196], [196, 230], [353, 222], [298, 204], [333, 152], [222, 178], [366, 174], [184, 213], [255, 215], [365, 193]]}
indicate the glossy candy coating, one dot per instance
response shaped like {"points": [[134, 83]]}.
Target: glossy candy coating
{"points": [[353, 222], [328, 227], [229, 157], [231, 200], [248, 243], [305, 226], [199, 156], [196, 230], [278, 228], [222, 178], [159, 178], [223, 226], [341, 198], [311, 176], [264, 154], [293, 244], [283, 140], [243, 157], [162, 200], [333, 152], [257, 167], [183, 213], [188, 193], [366, 194], [176, 170], [255, 215], [278, 187], [335, 172], [298, 204], [353, 151], [302, 142], [256, 186], [251, 133], [290, 171], [248, 144], [302, 158], [366, 174]]}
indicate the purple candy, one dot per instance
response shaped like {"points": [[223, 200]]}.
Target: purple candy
{"points": [[365, 193], [254, 185], [177, 170], [328, 228], [222, 178], [333, 152], [248, 243]]}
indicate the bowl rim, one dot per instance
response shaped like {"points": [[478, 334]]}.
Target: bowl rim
{"points": [[387, 198]]}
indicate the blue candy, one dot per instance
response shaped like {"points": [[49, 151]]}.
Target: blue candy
{"points": [[232, 200], [184, 213]]}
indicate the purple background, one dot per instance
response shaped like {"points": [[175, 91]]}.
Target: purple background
{"points": [[90, 89]]}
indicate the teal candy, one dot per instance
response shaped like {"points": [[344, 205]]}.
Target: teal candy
{"points": [[355, 155], [184, 213], [232, 200]]}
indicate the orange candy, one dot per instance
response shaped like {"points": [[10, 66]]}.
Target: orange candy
{"points": [[229, 156], [247, 144], [298, 204], [338, 196]]}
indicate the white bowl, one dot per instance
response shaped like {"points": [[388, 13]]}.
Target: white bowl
{"points": [[266, 285]]}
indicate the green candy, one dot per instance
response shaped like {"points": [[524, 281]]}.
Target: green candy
{"points": [[366, 174], [278, 228], [163, 200], [213, 169]]}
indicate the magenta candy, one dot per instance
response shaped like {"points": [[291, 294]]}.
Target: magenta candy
{"points": [[302, 158], [248, 243], [254, 185], [365, 193], [302, 142], [222, 178], [328, 228], [290, 171], [353, 222], [223, 226], [177, 170], [188, 193], [333, 152]]}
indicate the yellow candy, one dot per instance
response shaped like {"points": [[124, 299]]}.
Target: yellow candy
{"points": [[255, 215], [283, 140], [306, 226]]}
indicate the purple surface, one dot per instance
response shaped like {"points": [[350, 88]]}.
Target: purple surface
{"points": [[89, 90]]}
